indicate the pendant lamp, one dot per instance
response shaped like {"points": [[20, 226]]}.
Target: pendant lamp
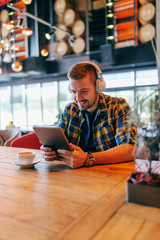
{"points": [[44, 52], [27, 2], [16, 66], [27, 32]]}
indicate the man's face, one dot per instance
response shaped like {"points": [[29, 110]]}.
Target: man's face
{"points": [[84, 93]]}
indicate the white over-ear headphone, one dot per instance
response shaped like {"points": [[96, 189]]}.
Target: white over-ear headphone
{"points": [[100, 83]]}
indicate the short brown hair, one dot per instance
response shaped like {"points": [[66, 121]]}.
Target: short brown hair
{"points": [[80, 70]]}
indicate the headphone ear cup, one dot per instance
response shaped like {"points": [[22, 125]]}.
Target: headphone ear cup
{"points": [[100, 85], [98, 82]]}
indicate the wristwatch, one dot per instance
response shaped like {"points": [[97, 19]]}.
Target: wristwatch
{"points": [[90, 161]]}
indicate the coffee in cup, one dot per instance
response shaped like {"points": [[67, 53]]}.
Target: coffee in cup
{"points": [[26, 157]]}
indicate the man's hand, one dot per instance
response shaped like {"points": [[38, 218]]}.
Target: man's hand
{"points": [[73, 159], [48, 153]]}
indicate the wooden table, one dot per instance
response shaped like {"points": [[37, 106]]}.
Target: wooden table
{"points": [[50, 201]]}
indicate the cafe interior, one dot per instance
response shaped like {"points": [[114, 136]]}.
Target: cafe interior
{"points": [[39, 41]]}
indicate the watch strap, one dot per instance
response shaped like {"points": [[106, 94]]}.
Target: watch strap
{"points": [[90, 161]]}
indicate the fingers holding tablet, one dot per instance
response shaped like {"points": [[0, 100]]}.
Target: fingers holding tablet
{"points": [[48, 153]]}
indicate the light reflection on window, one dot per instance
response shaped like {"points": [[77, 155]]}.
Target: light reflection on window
{"points": [[119, 79], [65, 96], [19, 110], [5, 106], [50, 103], [149, 77], [34, 110]]}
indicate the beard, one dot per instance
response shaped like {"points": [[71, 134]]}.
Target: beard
{"points": [[85, 104]]}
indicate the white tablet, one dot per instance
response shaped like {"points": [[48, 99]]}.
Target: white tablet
{"points": [[53, 137]]}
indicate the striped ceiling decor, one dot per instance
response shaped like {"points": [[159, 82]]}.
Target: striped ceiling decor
{"points": [[3, 2]]}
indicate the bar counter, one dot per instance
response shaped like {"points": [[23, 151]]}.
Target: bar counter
{"points": [[52, 201]]}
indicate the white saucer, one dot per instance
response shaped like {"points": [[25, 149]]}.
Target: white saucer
{"points": [[24, 165]]}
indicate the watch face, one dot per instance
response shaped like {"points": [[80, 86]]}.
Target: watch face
{"points": [[91, 163]]}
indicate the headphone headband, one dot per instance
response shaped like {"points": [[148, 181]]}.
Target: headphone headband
{"points": [[94, 65]]}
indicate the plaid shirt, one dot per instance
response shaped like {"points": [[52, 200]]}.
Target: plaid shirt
{"points": [[112, 126]]}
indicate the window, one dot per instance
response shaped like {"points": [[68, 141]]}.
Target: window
{"points": [[50, 103], [34, 104], [145, 98], [40, 103], [64, 95], [149, 77], [19, 108], [5, 106], [116, 80]]}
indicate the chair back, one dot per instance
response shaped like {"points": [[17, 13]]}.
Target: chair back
{"points": [[6, 134], [29, 140], [15, 136]]}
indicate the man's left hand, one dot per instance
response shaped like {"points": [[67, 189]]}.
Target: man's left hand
{"points": [[73, 159]]}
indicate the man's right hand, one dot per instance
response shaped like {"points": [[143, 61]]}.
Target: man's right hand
{"points": [[48, 153]]}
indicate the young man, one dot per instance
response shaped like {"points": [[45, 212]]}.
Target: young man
{"points": [[99, 127]]}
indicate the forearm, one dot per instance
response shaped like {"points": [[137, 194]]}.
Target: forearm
{"points": [[121, 153]]}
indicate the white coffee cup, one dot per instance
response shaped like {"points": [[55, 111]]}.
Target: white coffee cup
{"points": [[26, 157]]}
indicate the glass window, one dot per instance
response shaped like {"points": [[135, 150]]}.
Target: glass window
{"points": [[119, 79], [127, 94], [50, 104], [149, 77], [19, 109], [145, 98], [64, 95], [5, 106], [34, 106]]}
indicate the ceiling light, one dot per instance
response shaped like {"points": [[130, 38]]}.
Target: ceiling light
{"points": [[110, 4], [6, 43], [48, 36], [27, 2], [110, 15], [12, 39], [16, 66], [27, 31], [8, 25], [15, 47], [1, 48], [44, 52]]}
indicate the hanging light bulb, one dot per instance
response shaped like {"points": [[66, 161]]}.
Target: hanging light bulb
{"points": [[44, 52], [15, 47], [27, 31], [27, 2], [6, 44], [16, 66], [8, 25], [1, 48], [48, 36]]}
